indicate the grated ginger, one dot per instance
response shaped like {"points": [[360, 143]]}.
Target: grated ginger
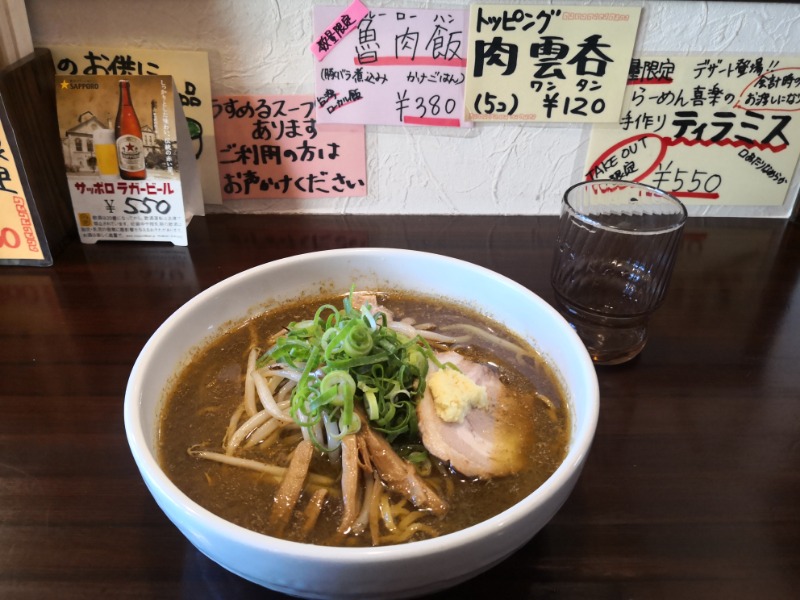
{"points": [[455, 394]]}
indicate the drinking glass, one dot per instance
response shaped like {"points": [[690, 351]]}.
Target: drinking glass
{"points": [[615, 252], [105, 150]]}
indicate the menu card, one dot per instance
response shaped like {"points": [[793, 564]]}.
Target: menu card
{"points": [[189, 70], [121, 139], [20, 241], [390, 66], [547, 63], [711, 130]]}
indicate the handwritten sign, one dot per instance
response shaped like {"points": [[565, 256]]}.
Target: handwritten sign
{"points": [[271, 147], [400, 67], [190, 73], [116, 196], [548, 63], [19, 240], [709, 130], [333, 33]]}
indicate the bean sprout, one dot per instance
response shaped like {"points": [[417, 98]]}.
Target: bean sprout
{"points": [[267, 399], [285, 392], [410, 331], [516, 349], [249, 385], [261, 433], [248, 427], [277, 370], [233, 424], [315, 481]]}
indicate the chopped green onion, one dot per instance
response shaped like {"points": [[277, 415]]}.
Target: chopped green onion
{"points": [[358, 341], [350, 358]]}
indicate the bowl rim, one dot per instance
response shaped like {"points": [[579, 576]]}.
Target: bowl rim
{"points": [[156, 479]]}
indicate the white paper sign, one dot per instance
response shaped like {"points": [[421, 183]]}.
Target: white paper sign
{"points": [[108, 203]]}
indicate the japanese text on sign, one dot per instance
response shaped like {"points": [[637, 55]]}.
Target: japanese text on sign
{"points": [[709, 130], [18, 237], [191, 74], [335, 32], [271, 147], [399, 67], [546, 63], [110, 200]]}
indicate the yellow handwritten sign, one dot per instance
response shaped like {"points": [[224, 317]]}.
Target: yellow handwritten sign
{"points": [[548, 63], [18, 238], [191, 75], [710, 130]]}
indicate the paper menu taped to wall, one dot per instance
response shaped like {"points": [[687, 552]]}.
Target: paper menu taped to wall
{"points": [[125, 185], [401, 66], [190, 72], [272, 147], [710, 130], [548, 63]]}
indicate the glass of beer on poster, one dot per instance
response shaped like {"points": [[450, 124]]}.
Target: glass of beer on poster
{"points": [[105, 151]]}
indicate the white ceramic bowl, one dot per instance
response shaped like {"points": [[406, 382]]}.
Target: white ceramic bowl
{"points": [[322, 572]]}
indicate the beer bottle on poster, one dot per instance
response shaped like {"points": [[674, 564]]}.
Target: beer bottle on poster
{"points": [[128, 131]]}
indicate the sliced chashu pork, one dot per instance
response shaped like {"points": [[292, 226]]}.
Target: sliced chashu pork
{"points": [[488, 442]]}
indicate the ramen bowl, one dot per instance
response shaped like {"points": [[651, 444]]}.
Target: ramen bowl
{"points": [[397, 571]]}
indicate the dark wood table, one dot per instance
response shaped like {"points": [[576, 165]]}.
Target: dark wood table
{"points": [[692, 488]]}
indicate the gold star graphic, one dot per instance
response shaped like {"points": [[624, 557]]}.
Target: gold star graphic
{"points": [[64, 85]]}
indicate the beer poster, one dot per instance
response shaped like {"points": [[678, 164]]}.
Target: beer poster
{"points": [[190, 73], [121, 139]]}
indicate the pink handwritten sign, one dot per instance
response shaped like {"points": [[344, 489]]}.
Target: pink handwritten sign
{"points": [[272, 147], [338, 28], [403, 66]]}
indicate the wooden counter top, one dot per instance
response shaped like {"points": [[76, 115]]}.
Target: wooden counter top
{"points": [[692, 488]]}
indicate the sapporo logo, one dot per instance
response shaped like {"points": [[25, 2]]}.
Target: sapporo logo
{"points": [[79, 85]]}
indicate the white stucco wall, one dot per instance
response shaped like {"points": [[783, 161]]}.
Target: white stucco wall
{"points": [[261, 47]]}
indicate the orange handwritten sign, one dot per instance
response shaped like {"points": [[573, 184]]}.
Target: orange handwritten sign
{"points": [[19, 240]]}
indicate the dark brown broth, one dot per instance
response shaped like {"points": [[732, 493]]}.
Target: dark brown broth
{"points": [[210, 388]]}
